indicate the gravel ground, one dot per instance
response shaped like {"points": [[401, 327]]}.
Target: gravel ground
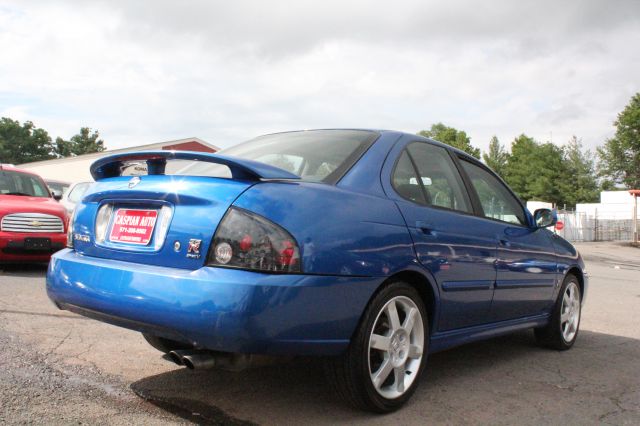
{"points": [[60, 368]]}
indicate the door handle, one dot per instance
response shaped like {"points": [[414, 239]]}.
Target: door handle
{"points": [[505, 243], [425, 227]]}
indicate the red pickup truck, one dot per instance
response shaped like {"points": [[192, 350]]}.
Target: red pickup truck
{"points": [[33, 224]]}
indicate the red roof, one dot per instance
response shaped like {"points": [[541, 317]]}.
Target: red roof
{"points": [[188, 146]]}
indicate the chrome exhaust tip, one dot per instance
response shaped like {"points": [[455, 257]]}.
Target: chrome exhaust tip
{"points": [[199, 361], [177, 356], [204, 359]]}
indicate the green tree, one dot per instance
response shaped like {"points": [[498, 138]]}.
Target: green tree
{"points": [[23, 143], [620, 156], [497, 157], [450, 136], [581, 185], [284, 162], [535, 171], [84, 142]]}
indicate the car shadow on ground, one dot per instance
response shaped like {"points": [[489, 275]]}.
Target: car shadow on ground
{"points": [[507, 376]]}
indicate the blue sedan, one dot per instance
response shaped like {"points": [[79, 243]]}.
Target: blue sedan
{"points": [[371, 248]]}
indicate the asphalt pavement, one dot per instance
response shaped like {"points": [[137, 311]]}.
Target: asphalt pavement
{"points": [[59, 368]]}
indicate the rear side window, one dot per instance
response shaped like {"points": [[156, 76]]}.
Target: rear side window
{"points": [[434, 174], [439, 177], [405, 180], [496, 200]]}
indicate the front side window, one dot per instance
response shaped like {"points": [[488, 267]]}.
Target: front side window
{"points": [[15, 183], [57, 186], [496, 200]]}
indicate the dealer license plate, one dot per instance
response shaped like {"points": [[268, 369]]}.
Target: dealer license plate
{"points": [[133, 226]]}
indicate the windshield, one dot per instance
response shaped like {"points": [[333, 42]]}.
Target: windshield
{"points": [[78, 191], [57, 186], [314, 155], [15, 183]]}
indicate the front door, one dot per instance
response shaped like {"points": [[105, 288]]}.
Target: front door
{"points": [[526, 261]]}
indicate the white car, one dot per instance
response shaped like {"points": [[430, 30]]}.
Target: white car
{"points": [[74, 194]]}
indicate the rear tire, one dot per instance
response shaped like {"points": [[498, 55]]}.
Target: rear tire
{"points": [[165, 345], [562, 330], [381, 368]]}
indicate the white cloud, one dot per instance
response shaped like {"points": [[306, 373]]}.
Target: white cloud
{"points": [[226, 71]]}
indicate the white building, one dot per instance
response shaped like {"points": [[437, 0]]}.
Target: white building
{"points": [[613, 205], [76, 169], [610, 219]]}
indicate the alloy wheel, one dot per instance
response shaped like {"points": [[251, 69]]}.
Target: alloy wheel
{"points": [[395, 347], [570, 312]]}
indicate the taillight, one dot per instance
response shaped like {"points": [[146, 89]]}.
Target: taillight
{"points": [[248, 241], [102, 222], [70, 229]]}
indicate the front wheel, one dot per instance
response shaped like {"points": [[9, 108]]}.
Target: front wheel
{"points": [[562, 331], [380, 369]]}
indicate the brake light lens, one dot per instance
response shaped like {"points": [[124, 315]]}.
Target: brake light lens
{"points": [[248, 241], [72, 219], [102, 222]]}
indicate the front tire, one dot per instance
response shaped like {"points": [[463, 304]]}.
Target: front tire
{"points": [[381, 368], [562, 331]]}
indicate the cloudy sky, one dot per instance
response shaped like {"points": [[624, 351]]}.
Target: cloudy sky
{"points": [[225, 71]]}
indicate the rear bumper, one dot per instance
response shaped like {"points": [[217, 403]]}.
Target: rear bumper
{"points": [[12, 247], [214, 308]]}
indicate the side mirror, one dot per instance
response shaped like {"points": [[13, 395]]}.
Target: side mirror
{"points": [[545, 218], [57, 195]]}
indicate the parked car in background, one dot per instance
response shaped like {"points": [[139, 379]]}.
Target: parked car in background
{"points": [[32, 223], [57, 187], [374, 248], [74, 194]]}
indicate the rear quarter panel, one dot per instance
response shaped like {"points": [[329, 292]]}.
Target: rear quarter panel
{"points": [[339, 232]]}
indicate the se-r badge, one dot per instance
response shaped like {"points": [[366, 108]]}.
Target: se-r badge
{"points": [[193, 250]]}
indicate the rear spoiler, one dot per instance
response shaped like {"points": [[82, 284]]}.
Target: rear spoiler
{"points": [[241, 169]]}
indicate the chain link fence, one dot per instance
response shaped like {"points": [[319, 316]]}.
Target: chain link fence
{"points": [[580, 226]]}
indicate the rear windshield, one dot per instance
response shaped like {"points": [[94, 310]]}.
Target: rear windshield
{"points": [[14, 183], [314, 155]]}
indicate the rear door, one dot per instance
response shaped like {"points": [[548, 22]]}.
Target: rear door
{"points": [[447, 237], [526, 261]]}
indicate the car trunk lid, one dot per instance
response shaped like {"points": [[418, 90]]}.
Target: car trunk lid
{"points": [[159, 219]]}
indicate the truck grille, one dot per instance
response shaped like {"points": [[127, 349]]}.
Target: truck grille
{"points": [[31, 222]]}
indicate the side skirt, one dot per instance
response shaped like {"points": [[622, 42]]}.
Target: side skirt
{"points": [[448, 339]]}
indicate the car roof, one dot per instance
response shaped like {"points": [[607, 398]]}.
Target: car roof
{"points": [[432, 141], [388, 131], [12, 168]]}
